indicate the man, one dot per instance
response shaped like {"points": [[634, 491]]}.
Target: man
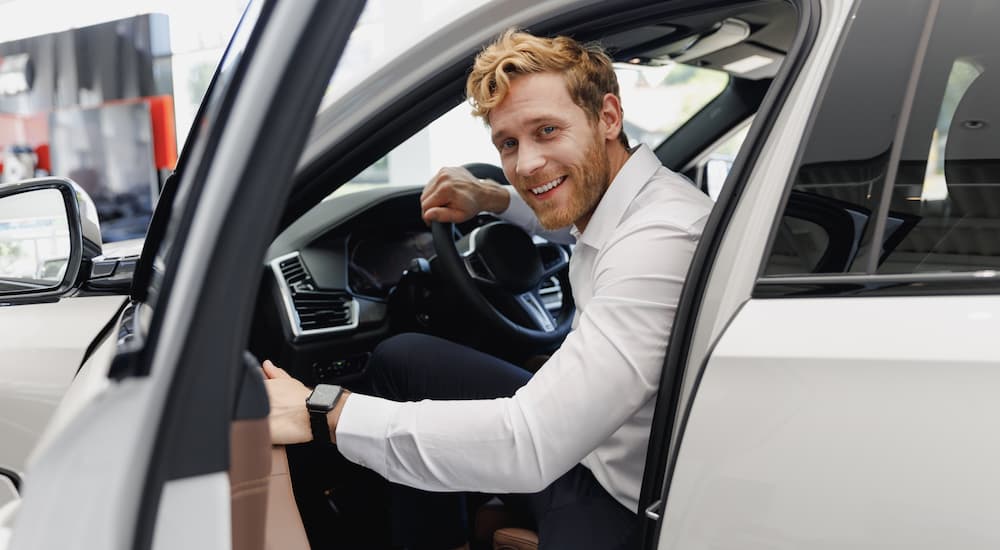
{"points": [[572, 438]]}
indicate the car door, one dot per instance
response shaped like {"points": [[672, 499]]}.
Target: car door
{"points": [[144, 464], [847, 404]]}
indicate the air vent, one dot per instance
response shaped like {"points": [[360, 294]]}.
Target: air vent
{"points": [[311, 310], [318, 309], [295, 273]]}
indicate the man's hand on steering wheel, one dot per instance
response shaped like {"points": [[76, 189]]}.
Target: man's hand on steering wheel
{"points": [[498, 256], [455, 195]]}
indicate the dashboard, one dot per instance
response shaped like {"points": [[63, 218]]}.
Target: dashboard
{"points": [[376, 261], [348, 274]]}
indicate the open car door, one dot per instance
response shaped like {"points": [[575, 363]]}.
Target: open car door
{"points": [[146, 463]]}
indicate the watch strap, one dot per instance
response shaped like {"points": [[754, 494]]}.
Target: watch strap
{"points": [[320, 427]]}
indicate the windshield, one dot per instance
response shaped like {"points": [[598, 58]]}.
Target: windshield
{"points": [[657, 100], [386, 28]]}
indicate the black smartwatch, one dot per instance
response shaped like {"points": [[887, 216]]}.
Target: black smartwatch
{"points": [[321, 401]]}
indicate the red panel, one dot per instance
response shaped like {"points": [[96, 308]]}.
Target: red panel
{"points": [[44, 160], [161, 111]]}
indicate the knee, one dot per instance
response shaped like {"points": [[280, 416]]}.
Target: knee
{"points": [[394, 351], [390, 362]]}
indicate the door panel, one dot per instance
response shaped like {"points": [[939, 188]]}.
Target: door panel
{"points": [[146, 464], [193, 513], [844, 423], [40, 352]]}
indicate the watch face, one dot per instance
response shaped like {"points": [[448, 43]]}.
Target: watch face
{"points": [[323, 397]]}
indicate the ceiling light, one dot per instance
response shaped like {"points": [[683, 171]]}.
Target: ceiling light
{"points": [[747, 64]]}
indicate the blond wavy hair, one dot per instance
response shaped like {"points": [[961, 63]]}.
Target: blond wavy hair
{"points": [[586, 68]]}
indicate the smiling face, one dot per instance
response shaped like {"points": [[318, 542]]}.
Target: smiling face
{"points": [[559, 159]]}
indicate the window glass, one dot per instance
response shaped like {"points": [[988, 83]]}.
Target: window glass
{"points": [[720, 161], [657, 100], [224, 79], [841, 180], [949, 172], [385, 29]]}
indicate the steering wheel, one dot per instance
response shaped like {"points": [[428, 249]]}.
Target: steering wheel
{"points": [[503, 258]]}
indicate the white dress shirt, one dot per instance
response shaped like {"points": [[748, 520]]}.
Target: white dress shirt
{"points": [[592, 402]]}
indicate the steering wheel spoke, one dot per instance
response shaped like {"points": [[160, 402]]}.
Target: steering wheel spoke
{"points": [[478, 270], [474, 263], [535, 310]]}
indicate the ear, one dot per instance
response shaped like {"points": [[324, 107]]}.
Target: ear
{"points": [[610, 117]]}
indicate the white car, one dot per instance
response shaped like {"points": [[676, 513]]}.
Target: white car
{"points": [[830, 378]]}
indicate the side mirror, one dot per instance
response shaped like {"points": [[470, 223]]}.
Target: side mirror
{"points": [[48, 232], [716, 172]]}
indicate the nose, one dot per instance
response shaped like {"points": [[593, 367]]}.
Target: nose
{"points": [[529, 159]]}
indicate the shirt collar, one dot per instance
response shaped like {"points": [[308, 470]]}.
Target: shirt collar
{"points": [[630, 179]]}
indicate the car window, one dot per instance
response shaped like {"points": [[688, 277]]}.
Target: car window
{"points": [[386, 28], [210, 110], [657, 100], [720, 160], [949, 173], [903, 151]]}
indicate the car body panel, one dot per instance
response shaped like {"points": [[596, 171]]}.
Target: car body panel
{"points": [[833, 422], [746, 237], [848, 423], [91, 380], [37, 368], [182, 525]]}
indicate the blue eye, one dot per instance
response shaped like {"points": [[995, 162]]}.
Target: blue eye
{"points": [[508, 143], [548, 129]]}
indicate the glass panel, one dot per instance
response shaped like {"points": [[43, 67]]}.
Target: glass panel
{"points": [[34, 241], [224, 78], [655, 105], [841, 177], [798, 247], [720, 162], [949, 173], [386, 28], [658, 100]]}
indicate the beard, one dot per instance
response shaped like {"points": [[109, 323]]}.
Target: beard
{"points": [[588, 181]]}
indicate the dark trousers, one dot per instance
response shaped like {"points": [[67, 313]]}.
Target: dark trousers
{"points": [[574, 512]]}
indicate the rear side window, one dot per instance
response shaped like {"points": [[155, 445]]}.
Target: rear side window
{"points": [[901, 172]]}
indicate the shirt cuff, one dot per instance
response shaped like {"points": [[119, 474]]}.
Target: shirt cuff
{"points": [[362, 428], [517, 211]]}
